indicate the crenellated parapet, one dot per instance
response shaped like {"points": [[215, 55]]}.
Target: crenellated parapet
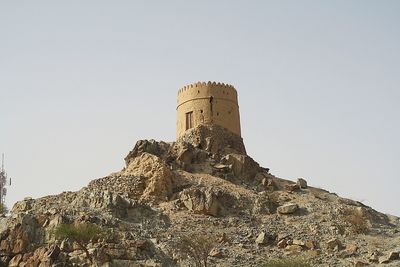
{"points": [[206, 89], [207, 103], [206, 84]]}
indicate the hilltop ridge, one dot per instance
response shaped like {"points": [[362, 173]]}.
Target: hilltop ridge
{"points": [[203, 183]]}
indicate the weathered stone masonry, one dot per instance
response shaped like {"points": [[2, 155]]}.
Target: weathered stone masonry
{"points": [[207, 103]]}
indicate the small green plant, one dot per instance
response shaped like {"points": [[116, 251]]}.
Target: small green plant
{"points": [[196, 247], [81, 233], [287, 262]]}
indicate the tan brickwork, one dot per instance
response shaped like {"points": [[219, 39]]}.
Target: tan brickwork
{"points": [[210, 103]]}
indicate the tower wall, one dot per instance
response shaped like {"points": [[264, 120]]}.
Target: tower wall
{"points": [[210, 103]]}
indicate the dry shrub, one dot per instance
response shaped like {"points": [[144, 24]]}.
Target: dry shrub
{"points": [[81, 233], [196, 247], [356, 220], [377, 243]]}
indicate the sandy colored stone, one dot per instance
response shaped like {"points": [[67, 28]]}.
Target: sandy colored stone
{"points": [[288, 208], [262, 238], [310, 244], [298, 242], [216, 253], [351, 248], [14, 262], [158, 183], [208, 103], [390, 257], [294, 248]]}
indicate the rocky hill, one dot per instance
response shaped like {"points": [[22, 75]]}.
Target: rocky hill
{"points": [[202, 185]]}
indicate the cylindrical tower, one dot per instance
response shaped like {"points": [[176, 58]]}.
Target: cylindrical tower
{"points": [[208, 103]]}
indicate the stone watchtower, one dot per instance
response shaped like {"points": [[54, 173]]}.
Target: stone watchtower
{"points": [[208, 104]]}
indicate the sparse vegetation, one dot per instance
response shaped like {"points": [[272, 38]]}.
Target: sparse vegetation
{"points": [[356, 220], [287, 262], [82, 234], [3, 209], [377, 242], [196, 247]]}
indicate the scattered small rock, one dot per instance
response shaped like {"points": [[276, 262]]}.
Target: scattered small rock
{"points": [[294, 248], [216, 253], [222, 238], [351, 249], [388, 258], [288, 208], [334, 243], [310, 244], [282, 243], [262, 239], [360, 263], [15, 260], [301, 183], [298, 242], [374, 256], [292, 187]]}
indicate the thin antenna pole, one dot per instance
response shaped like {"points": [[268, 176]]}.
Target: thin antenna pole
{"points": [[2, 161]]}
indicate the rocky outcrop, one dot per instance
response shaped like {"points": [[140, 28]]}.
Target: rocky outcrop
{"points": [[159, 149], [203, 183], [214, 139], [201, 201], [158, 176], [243, 166]]}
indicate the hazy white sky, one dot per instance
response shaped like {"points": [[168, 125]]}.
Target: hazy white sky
{"points": [[318, 84]]}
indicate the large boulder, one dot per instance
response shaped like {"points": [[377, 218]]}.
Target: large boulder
{"points": [[23, 205], [200, 200], [214, 139], [243, 166], [288, 208], [158, 176], [160, 149]]}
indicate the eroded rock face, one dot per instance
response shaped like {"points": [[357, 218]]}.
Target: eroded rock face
{"points": [[243, 166], [23, 205], [214, 139], [21, 235], [159, 149], [158, 182], [201, 200]]}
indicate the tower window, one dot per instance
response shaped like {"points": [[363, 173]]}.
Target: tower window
{"points": [[189, 120]]}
